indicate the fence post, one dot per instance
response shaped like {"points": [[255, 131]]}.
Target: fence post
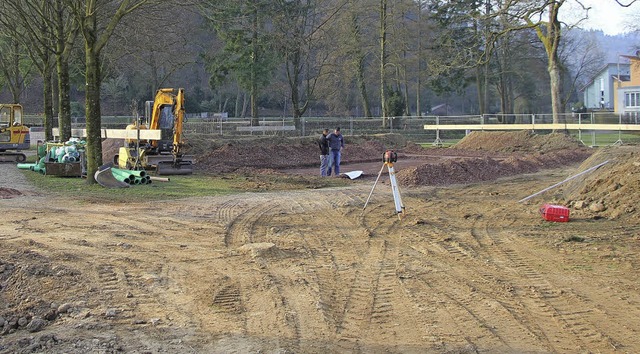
{"points": [[533, 122], [593, 132], [619, 141], [579, 128], [437, 142], [351, 125]]}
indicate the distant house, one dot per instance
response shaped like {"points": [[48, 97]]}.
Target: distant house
{"points": [[627, 97], [599, 93]]}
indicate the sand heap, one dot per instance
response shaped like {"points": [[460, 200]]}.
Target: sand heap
{"points": [[611, 191], [528, 152]]}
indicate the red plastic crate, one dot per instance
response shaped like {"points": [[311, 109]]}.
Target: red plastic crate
{"points": [[556, 213]]}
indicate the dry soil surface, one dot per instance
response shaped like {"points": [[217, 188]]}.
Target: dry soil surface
{"points": [[467, 269]]}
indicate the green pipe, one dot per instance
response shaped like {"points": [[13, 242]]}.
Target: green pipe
{"points": [[26, 166], [42, 169], [121, 178], [144, 180], [122, 173], [136, 173], [42, 150]]}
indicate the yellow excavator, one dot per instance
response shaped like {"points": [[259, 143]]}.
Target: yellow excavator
{"points": [[165, 156], [13, 134]]}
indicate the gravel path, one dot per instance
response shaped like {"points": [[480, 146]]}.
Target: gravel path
{"points": [[11, 178]]}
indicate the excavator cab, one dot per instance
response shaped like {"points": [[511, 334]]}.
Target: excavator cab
{"points": [[13, 134]]}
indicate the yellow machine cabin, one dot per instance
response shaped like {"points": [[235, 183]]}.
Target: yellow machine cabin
{"points": [[14, 136]]}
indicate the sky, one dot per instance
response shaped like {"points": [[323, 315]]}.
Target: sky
{"points": [[610, 17]]}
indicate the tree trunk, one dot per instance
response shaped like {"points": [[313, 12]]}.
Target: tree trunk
{"points": [[47, 78], [481, 89], [16, 88], [554, 76], [93, 113], [64, 100], [254, 67], [293, 76], [362, 86], [62, 66], [383, 61]]}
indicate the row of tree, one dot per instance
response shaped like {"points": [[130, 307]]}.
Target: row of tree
{"points": [[377, 57]]}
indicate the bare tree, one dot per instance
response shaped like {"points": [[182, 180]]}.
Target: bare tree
{"points": [[97, 21], [34, 38], [15, 64], [300, 34]]}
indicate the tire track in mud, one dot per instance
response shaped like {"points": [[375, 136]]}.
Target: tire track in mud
{"points": [[331, 283], [118, 286], [442, 261], [479, 316], [251, 223], [369, 306], [243, 228], [134, 296], [562, 317]]}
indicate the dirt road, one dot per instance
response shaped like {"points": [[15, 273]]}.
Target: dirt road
{"points": [[467, 270]]}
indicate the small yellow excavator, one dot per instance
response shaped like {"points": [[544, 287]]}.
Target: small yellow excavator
{"points": [[14, 136], [165, 156]]}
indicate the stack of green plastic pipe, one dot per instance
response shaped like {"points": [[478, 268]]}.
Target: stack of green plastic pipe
{"points": [[131, 176]]}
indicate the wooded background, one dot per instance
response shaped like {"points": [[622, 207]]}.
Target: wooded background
{"points": [[365, 58]]}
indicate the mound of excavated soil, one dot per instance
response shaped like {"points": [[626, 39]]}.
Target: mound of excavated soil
{"points": [[280, 153], [517, 141], [529, 153], [611, 191], [227, 155]]}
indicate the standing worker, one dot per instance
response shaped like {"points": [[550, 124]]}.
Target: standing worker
{"points": [[323, 143], [336, 144]]}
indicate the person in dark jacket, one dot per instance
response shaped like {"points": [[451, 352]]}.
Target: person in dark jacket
{"points": [[323, 144], [336, 144]]}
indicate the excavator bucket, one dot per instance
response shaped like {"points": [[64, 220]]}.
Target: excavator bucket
{"points": [[171, 169], [183, 166], [105, 177]]}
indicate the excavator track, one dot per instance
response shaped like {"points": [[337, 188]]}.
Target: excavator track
{"points": [[12, 157]]}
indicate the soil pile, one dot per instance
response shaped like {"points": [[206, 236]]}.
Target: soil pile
{"points": [[280, 153], [238, 155], [528, 153], [518, 142], [611, 191], [110, 148]]}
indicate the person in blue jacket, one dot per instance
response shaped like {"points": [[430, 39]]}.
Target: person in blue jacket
{"points": [[336, 144]]}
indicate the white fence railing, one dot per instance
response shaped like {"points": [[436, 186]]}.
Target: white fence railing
{"points": [[419, 129]]}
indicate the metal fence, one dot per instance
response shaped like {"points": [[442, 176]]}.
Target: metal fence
{"points": [[411, 127]]}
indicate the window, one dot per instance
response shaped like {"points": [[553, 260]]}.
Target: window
{"points": [[632, 99]]}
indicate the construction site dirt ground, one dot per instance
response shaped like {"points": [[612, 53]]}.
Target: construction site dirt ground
{"points": [[468, 269]]}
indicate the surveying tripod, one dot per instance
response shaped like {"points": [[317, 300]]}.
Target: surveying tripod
{"points": [[389, 157]]}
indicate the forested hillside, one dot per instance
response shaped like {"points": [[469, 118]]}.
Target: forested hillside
{"points": [[300, 58]]}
